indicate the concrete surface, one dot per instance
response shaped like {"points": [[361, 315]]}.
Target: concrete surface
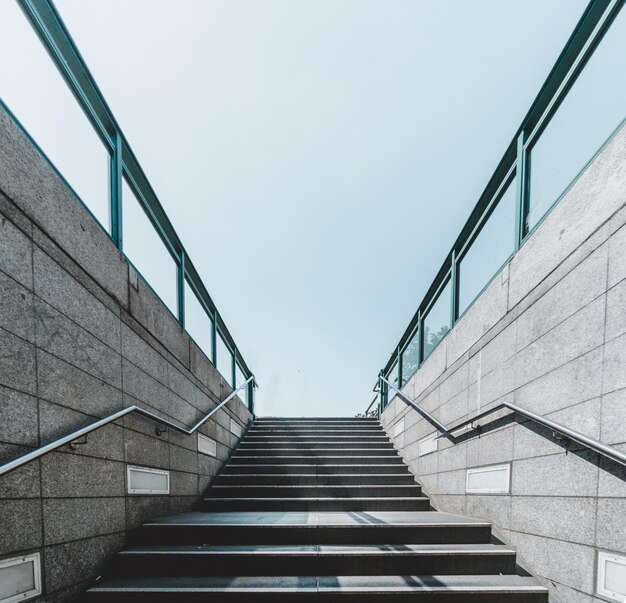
{"points": [[77, 342], [548, 334]]}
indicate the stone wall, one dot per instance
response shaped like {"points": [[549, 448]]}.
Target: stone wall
{"points": [[81, 336], [548, 334]]}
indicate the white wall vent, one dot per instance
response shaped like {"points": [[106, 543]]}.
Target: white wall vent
{"points": [[207, 445], [20, 578], [145, 480], [428, 444], [235, 428], [612, 576], [398, 428], [495, 479]]}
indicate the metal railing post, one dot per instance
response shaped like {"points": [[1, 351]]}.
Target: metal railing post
{"points": [[454, 290], [115, 193], [521, 191], [180, 289], [214, 341]]}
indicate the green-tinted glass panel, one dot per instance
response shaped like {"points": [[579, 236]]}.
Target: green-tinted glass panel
{"points": [[147, 251], [410, 358], [36, 93], [491, 248], [224, 360], [198, 323], [240, 379], [591, 111], [392, 377], [437, 321]]}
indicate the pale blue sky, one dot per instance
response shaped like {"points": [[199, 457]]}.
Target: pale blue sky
{"points": [[317, 158]]}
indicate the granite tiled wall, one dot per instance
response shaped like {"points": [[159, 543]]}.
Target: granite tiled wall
{"points": [[81, 336], [548, 334]]}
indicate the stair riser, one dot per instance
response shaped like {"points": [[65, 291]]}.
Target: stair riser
{"points": [[327, 429], [304, 596], [314, 480], [311, 491], [277, 452], [317, 426], [276, 534], [316, 446], [317, 469], [313, 435], [295, 468], [311, 565], [320, 460], [343, 439], [321, 427], [314, 420], [306, 504]]}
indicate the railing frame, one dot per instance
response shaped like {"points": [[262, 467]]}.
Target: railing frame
{"points": [[594, 23], [124, 165]]}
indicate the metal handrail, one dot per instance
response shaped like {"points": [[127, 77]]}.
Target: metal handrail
{"points": [[79, 433], [571, 434]]}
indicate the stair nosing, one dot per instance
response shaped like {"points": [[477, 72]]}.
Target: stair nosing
{"points": [[348, 551]]}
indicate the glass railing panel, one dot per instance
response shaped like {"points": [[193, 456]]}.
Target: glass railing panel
{"points": [[36, 93], [393, 378], [492, 247], [240, 379], [591, 111], [198, 323], [410, 358], [146, 250], [437, 321], [224, 359], [239, 376]]}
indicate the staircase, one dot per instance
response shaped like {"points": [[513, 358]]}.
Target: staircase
{"points": [[316, 509]]}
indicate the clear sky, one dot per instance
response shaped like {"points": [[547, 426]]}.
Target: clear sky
{"points": [[317, 157]]}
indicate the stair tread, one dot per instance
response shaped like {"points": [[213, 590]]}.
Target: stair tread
{"points": [[325, 549], [373, 430], [319, 518], [337, 475], [446, 583], [315, 419], [295, 466], [309, 457], [315, 438], [223, 487], [318, 498], [332, 462]]}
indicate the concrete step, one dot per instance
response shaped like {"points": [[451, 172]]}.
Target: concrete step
{"points": [[335, 503], [316, 560], [315, 420], [312, 469], [317, 452], [315, 425], [396, 588], [314, 445], [320, 435], [309, 509], [304, 479], [315, 491], [298, 459], [343, 439], [346, 528], [313, 430]]}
